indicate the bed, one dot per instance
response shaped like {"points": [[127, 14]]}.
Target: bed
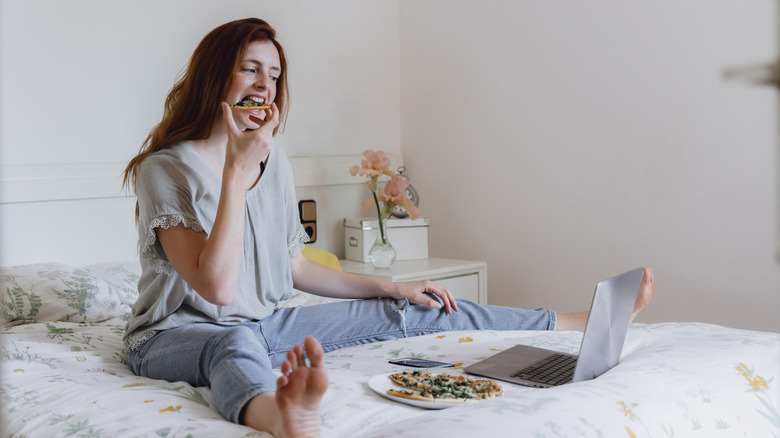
{"points": [[64, 373]]}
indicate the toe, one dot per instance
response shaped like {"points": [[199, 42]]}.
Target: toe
{"points": [[314, 351]]}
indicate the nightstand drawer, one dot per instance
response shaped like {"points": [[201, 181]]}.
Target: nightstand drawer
{"points": [[464, 287], [465, 279]]}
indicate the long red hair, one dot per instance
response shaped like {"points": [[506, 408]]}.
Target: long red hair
{"points": [[193, 103]]}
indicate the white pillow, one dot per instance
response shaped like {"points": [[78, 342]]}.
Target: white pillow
{"points": [[58, 292], [122, 277]]}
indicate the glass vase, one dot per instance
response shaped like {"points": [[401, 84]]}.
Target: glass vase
{"points": [[382, 253]]}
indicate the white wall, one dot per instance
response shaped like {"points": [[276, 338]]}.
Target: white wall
{"points": [[567, 141], [598, 135], [57, 81], [89, 82]]}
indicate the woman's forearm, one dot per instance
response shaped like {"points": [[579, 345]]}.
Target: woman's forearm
{"points": [[317, 279], [220, 260], [312, 277]]}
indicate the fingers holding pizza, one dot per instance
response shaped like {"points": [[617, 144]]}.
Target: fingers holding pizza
{"points": [[250, 114], [249, 135]]}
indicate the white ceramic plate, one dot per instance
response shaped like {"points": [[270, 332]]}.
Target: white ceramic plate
{"points": [[381, 383]]}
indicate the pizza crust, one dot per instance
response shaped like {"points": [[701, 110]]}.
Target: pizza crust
{"points": [[405, 393], [256, 107]]}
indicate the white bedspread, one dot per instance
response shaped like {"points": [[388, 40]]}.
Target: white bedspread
{"points": [[69, 379]]}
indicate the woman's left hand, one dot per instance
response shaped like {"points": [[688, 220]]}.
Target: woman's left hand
{"points": [[416, 292]]}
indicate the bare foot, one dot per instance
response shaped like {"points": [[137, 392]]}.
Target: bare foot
{"points": [[646, 292], [299, 391], [578, 320]]}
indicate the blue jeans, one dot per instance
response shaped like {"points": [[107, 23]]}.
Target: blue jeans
{"points": [[236, 361]]}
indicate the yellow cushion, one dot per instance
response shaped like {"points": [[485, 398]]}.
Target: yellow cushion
{"points": [[322, 257]]}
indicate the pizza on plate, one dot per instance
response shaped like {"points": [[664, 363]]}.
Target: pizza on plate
{"points": [[424, 386]]}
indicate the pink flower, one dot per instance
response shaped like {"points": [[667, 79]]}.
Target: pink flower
{"points": [[413, 210], [374, 165], [393, 193], [395, 189]]}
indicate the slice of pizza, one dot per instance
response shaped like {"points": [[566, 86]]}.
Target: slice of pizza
{"points": [[421, 385], [415, 380], [414, 395], [251, 103], [460, 387]]}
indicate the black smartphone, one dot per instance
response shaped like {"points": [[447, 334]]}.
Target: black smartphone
{"points": [[420, 363]]}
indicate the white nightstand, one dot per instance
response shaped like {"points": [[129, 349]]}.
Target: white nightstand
{"points": [[465, 279]]}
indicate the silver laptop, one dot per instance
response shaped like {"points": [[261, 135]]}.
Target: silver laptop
{"points": [[602, 343]]}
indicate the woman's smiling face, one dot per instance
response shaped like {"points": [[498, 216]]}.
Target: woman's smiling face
{"points": [[258, 72]]}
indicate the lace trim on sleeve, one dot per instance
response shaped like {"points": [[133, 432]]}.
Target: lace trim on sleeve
{"points": [[166, 221], [296, 245]]}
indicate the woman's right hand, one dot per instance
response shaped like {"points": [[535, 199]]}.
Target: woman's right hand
{"points": [[210, 264], [246, 149]]}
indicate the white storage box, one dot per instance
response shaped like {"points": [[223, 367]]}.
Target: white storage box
{"points": [[408, 237]]}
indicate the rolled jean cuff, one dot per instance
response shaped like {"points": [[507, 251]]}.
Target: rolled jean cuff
{"points": [[235, 415], [553, 319]]}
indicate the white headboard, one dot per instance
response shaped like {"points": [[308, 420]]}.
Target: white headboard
{"points": [[80, 214]]}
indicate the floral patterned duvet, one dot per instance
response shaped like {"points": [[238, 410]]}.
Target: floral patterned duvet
{"points": [[63, 377]]}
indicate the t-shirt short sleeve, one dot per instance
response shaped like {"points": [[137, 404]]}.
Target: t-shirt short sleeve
{"points": [[167, 195], [296, 234]]}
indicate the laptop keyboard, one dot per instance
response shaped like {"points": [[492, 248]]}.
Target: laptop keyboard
{"points": [[555, 369]]}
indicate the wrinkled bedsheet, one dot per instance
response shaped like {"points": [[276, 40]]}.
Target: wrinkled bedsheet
{"points": [[676, 379]]}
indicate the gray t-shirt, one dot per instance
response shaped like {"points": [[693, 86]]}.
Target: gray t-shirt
{"points": [[176, 186]]}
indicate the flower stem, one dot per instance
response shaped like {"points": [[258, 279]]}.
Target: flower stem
{"points": [[379, 216]]}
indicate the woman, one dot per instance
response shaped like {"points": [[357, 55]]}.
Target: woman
{"points": [[220, 247]]}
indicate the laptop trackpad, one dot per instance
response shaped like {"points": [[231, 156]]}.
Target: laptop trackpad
{"points": [[508, 362]]}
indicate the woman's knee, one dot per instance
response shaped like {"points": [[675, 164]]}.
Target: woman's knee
{"points": [[234, 335], [172, 354], [233, 342]]}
